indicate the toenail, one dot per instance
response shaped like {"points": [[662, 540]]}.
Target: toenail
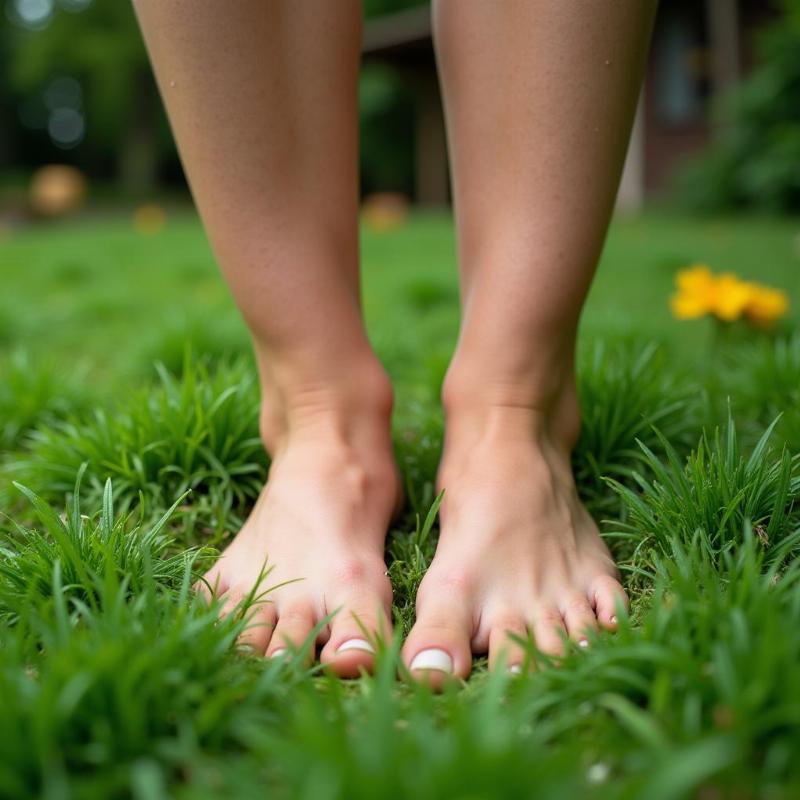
{"points": [[279, 652], [355, 644], [433, 659], [583, 643], [614, 620], [515, 669]]}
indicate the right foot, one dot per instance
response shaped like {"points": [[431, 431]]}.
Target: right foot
{"points": [[319, 527]]}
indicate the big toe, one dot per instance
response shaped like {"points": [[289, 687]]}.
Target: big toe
{"points": [[438, 647], [360, 624]]}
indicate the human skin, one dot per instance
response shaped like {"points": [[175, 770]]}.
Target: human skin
{"points": [[539, 98]]}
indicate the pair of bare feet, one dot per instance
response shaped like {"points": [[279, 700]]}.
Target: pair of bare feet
{"points": [[517, 554]]}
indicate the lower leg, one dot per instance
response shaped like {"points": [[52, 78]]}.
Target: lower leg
{"points": [[539, 99], [262, 100]]}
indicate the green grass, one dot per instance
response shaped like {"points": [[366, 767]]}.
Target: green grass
{"points": [[129, 448]]}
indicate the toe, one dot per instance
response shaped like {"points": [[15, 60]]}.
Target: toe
{"points": [[212, 584], [504, 649], [260, 625], [259, 616], [609, 599], [292, 630], [580, 619], [549, 631], [355, 631], [438, 647]]}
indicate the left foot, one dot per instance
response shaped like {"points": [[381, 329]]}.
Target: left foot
{"points": [[518, 553]]}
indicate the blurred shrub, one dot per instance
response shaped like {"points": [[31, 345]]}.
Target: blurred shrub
{"points": [[756, 161], [386, 121], [84, 63]]}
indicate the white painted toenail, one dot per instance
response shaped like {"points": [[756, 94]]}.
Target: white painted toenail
{"points": [[355, 644], [279, 652], [583, 643], [433, 659], [614, 620], [515, 669]]}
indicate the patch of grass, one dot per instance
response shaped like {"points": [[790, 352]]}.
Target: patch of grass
{"points": [[418, 440], [126, 696], [715, 492], [629, 394], [197, 433], [8, 325], [117, 682], [425, 294], [410, 555], [151, 698], [75, 556], [217, 341], [762, 380], [35, 392]]}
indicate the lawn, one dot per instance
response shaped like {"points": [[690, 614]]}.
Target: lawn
{"points": [[128, 420]]}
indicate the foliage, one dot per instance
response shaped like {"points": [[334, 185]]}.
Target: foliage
{"points": [[117, 681], [714, 494], [81, 555], [99, 45], [386, 125], [628, 394], [762, 378], [754, 163], [197, 433], [34, 392], [146, 695]]}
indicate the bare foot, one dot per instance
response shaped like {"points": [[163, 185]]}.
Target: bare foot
{"points": [[319, 525], [518, 552]]}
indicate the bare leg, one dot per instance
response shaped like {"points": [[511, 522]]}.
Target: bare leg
{"points": [[262, 100], [539, 98]]}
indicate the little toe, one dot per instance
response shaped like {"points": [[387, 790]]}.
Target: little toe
{"points": [[294, 626], [354, 633], [580, 619], [438, 647], [549, 631], [609, 599], [504, 649]]}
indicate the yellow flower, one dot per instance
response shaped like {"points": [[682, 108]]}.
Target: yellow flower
{"points": [[726, 296], [730, 297], [696, 278], [765, 305], [695, 292]]}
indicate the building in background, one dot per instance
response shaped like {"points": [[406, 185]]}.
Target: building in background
{"points": [[699, 50]]}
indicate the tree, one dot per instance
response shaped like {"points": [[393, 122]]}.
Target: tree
{"points": [[756, 162], [97, 44]]}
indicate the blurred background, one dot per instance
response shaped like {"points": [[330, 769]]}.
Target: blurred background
{"points": [[718, 125], [106, 269]]}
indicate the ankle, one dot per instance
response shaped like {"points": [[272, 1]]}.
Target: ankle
{"points": [[353, 408], [475, 405]]}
